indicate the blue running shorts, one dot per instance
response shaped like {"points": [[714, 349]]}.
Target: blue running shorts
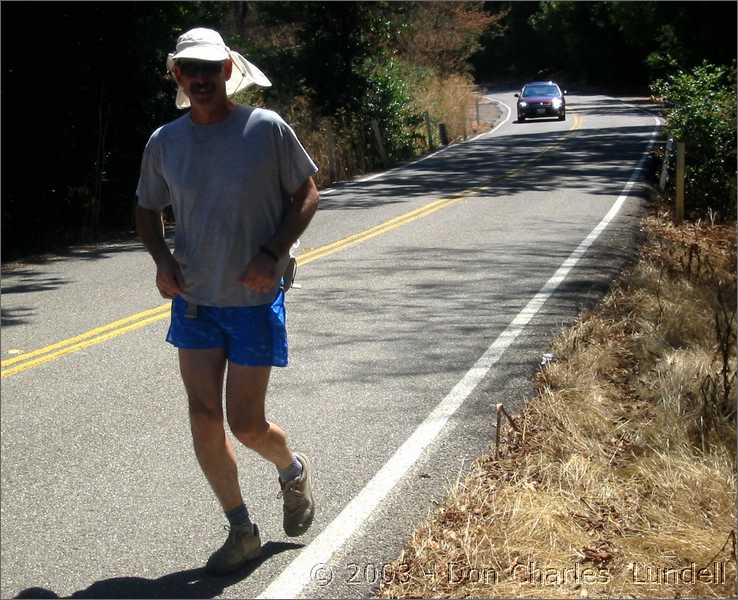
{"points": [[253, 336]]}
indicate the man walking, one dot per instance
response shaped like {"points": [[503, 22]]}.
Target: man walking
{"points": [[241, 189]]}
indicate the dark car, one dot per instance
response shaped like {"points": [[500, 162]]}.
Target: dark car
{"points": [[541, 99]]}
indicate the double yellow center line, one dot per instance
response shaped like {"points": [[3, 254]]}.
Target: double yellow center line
{"points": [[106, 332], [82, 341], [101, 334]]}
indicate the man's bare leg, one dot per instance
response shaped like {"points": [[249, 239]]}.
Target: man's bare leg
{"points": [[245, 398], [202, 374], [246, 389]]}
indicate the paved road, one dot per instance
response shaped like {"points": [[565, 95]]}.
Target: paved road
{"points": [[101, 493]]}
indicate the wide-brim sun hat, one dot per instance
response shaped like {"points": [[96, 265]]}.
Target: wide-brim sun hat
{"points": [[206, 44]]}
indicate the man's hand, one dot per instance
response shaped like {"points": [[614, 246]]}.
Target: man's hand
{"points": [[169, 278], [150, 228], [262, 274]]}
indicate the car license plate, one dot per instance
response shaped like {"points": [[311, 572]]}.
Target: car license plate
{"points": [[540, 111]]}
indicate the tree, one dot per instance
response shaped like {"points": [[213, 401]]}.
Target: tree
{"points": [[443, 35], [606, 42], [78, 110]]}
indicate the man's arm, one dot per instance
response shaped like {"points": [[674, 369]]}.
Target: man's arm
{"points": [[301, 211], [150, 229], [262, 273]]}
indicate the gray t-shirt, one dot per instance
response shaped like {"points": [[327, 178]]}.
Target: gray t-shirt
{"points": [[229, 184]]}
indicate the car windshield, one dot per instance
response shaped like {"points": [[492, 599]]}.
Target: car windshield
{"points": [[547, 91]]}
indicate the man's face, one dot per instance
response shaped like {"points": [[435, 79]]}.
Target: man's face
{"points": [[203, 81]]}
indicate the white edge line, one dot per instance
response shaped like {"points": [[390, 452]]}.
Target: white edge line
{"points": [[298, 574], [427, 156]]}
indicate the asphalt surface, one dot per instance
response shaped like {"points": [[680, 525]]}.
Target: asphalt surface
{"points": [[101, 493]]}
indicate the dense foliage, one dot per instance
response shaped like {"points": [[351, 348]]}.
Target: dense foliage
{"points": [[605, 43], [344, 55], [702, 113], [82, 93]]}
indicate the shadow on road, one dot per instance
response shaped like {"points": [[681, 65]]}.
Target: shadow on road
{"points": [[26, 280], [595, 161], [39, 274], [192, 583], [124, 242], [451, 310], [16, 316]]}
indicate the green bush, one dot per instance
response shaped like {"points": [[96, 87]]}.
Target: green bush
{"points": [[701, 112], [388, 101]]}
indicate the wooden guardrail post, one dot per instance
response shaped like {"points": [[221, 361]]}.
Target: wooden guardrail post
{"points": [[443, 134], [362, 148], [331, 136], [380, 143], [501, 411], [428, 130], [679, 212], [665, 164]]}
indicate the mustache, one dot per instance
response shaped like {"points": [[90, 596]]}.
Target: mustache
{"points": [[202, 87]]}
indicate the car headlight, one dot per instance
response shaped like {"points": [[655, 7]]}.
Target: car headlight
{"points": [[523, 104], [557, 102]]}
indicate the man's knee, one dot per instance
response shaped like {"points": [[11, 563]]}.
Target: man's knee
{"points": [[250, 434], [206, 422]]}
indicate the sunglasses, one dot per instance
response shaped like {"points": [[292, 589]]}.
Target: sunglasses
{"points": [[192, 68]]}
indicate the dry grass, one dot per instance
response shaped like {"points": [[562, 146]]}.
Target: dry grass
{"points": [[449, 100], [622, 483]]}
